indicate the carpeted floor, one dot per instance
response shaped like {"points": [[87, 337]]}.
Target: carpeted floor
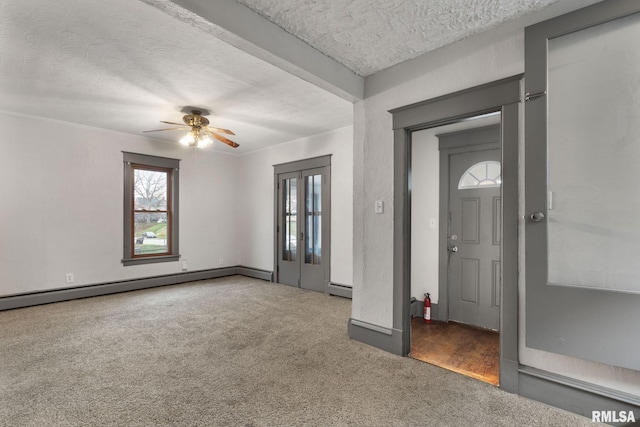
{"points": [[228, 352]]}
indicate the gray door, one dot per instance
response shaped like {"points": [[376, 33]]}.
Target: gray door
{"points": [[311, 263], [303, 228], [288, 220], [474, 238], [582, 133]]}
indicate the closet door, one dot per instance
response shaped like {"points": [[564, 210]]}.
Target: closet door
{"points": [[582, 151], [303, 225]]}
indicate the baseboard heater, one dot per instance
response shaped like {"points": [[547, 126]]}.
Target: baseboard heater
{"points": [[66, 294], [340, 290]]}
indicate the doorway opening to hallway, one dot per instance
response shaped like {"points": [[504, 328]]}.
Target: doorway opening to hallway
{"points": [[456, 234]]}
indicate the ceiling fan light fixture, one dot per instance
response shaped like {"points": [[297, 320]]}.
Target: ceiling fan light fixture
{"points": [[188, 140], [204, 140], [199, 133]]}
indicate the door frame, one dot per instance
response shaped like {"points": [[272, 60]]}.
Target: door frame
{"points": [[300, 166], [450, 144], [504, 96]]}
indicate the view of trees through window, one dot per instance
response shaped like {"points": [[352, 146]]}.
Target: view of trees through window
{"points": [[150, 214]]}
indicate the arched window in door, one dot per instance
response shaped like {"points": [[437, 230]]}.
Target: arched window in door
{"points": [[485, 174]]}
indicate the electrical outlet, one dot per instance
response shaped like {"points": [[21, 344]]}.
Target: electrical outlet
{"points": [[221, 261], [184, 265], [69, 277]]}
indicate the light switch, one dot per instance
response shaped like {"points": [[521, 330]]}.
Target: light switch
{"points": [[379, 206]]}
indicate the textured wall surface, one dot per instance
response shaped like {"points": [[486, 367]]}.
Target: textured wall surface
{"points": [[369, 36]]}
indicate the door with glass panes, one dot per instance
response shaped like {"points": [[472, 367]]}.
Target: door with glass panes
{"points": [[302, 229]]}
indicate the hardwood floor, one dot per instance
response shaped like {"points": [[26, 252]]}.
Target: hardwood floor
{"points": [[460, 348]]}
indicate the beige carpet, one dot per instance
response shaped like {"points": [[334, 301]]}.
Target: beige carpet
{"points": [[228, 352]]}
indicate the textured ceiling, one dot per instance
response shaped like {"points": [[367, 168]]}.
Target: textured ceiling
{"points": [[127, 64], [368, 36]]}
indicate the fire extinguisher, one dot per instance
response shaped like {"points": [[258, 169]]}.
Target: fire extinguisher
{"points": [[427, 308]]}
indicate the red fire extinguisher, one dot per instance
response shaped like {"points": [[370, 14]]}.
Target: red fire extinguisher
{"points": [[427, 308]]}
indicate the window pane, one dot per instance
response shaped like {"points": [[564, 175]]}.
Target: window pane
{"points": [[150, 190], [290, 226], [150, 233], [313, 238], [593, 155], [484, 174]]}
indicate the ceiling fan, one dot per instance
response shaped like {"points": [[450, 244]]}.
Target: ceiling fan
{"points": [[200, 132]]}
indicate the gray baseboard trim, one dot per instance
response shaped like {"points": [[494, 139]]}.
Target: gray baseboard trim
{"points": [[386, 339], [256, 273], [509, 375], [573, 395], [340, 290], [87, 291]]}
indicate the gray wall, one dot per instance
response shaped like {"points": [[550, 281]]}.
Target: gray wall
{"points": [[481, 59]]}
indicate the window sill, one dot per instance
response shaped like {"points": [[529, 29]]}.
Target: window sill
{"points": [[150, 260]]}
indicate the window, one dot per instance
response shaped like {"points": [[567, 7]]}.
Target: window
{"points": [[481, 175], [313, 193], [289, 251], [150, 209]]}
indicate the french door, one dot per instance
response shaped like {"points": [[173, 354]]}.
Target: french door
{"points": [[303, 224]]}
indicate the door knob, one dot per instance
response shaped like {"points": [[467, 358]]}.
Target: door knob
{"points": [[536, 217], [453, 249]]}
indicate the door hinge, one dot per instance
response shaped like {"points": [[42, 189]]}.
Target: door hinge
{"points": [[530, 96]]}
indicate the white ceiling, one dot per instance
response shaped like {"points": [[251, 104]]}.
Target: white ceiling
{"points": [[127, 64], [368, 36]]}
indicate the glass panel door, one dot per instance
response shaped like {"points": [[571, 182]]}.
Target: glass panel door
{"points": [[302, 240], [313, 239], [290, 219], [288, 230], [313, 274]]}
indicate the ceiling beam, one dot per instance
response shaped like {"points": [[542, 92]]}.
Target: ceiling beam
{"points": [[245, 29]]}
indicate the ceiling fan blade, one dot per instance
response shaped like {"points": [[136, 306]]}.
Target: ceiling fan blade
{"points": [[172, 123], [160, 130], [225, 140], [227, 131]]}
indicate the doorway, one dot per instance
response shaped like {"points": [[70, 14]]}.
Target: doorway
{"points": [[456, 241], [303, 223], [501, 96]]}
